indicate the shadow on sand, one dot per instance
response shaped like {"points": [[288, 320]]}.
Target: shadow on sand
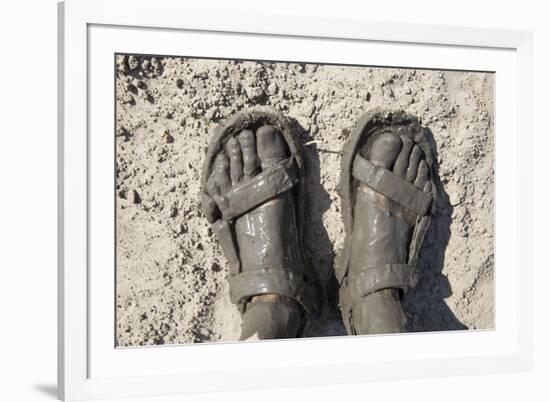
{"points": [[328, 322]]}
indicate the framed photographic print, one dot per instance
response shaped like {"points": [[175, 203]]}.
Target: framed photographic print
{"points": [[249, 203]]}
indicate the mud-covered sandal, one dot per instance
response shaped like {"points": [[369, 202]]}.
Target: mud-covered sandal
{"points": [[253, 195], [387, 198]]}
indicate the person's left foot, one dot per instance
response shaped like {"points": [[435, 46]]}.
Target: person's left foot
{"points": [[383, 229], [392, 195]]}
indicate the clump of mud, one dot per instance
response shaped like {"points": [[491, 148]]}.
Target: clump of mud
{"points": [[171, 274]]}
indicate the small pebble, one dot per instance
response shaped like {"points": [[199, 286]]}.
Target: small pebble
{"points": [[455, 198], [133, 62], [255, 94], [128, 99], [272, 89], [309, 110], [167, 137], [134, 197]]}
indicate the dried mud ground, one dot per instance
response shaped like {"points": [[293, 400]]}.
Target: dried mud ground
{"points": [[171, 275]]}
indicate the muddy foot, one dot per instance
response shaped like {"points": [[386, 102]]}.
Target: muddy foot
{"points": [[266, 236], [383, 228]]}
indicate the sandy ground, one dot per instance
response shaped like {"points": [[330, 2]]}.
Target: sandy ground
{"points": [[171, 275]]}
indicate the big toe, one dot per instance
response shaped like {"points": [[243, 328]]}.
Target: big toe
{"points": [[385, 149], [271, 146]]}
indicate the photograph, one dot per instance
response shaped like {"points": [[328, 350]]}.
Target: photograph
{"points": [[274, 201], [267, 199]]}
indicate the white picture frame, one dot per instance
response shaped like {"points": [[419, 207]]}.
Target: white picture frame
{"points": [[89, 365]]}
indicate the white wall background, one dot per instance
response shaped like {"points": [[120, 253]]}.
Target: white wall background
{"points": [[28, 198]]}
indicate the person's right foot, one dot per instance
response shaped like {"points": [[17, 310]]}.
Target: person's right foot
{"points": [[266, 235], [382, 228]]}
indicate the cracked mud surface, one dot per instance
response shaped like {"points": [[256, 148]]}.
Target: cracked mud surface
{"points": [[171, 275]]}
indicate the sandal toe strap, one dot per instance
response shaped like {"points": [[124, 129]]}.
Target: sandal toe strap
{"points": [[266, 185], [391, 185]]}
